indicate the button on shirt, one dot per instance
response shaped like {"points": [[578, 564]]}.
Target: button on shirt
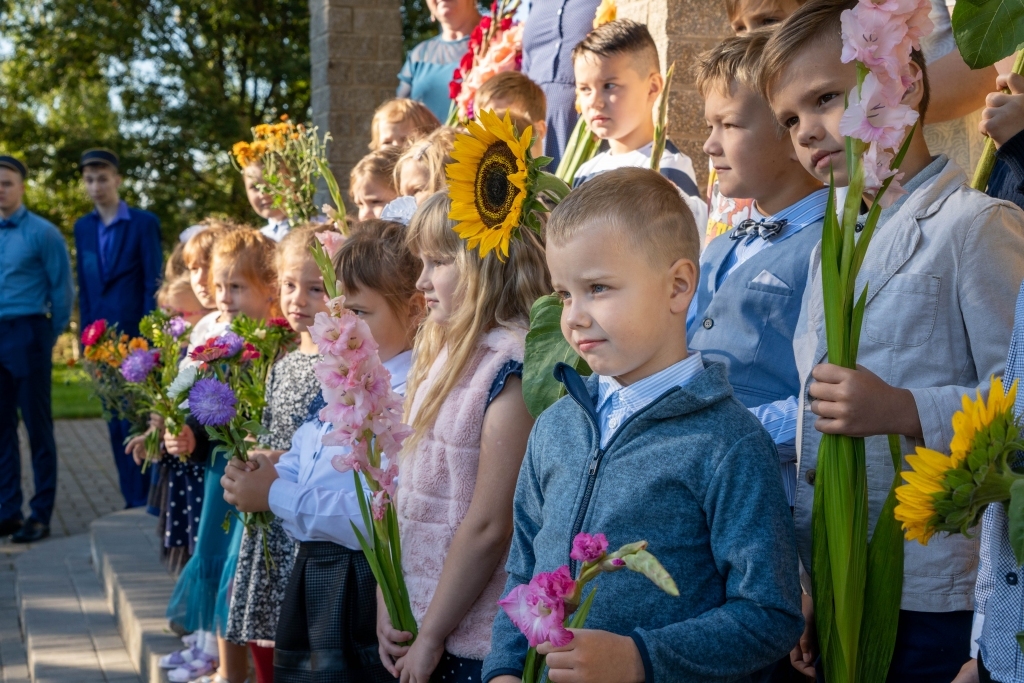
{"points": [[35, 271], [276, 230], [617, 403], [105, 234], [314, 501]]}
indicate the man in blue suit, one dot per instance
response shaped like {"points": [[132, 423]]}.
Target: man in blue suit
{"points": [[119, 270]]}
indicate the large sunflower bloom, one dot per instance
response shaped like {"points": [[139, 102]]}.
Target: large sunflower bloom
{"points": [[488, 182], [917, 497], [978, 415]]}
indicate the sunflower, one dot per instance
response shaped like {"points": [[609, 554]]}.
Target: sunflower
{"points": [[916, 508], [488, 182], [606, 13], [977, 415]]}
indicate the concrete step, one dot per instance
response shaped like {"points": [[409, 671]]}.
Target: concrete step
{"points": [[69, 633], [126, 556]]}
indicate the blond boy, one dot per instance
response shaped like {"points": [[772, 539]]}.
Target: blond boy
{"points": [[515, 93]]}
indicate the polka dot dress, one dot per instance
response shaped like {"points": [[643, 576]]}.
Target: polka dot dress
{"points": [[180, 521], [452, 669]]}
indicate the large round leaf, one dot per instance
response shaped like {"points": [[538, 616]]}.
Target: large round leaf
{"points": [[988, 30]]}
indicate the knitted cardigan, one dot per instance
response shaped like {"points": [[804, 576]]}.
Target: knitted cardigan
{"points": [[437, 483]]}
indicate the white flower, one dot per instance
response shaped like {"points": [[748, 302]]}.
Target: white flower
{"points": [[260, 333], [183, 382]]}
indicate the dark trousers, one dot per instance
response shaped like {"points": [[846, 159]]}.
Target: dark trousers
{"points": [[983, 674], [25, 368], [134, 484]]}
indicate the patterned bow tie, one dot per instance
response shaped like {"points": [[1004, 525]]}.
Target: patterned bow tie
{"points": [[765, 228]]}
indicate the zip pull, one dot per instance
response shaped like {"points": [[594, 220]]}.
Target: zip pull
{"points": [[593, 462]]}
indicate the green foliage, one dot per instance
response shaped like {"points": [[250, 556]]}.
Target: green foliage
{"points": [[417, 24], [545, 347], [988, 30], [72, 393], [1016, 517]]}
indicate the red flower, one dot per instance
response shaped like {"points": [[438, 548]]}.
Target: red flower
{"points": [[92, 333], [278, 322], [506, 24], [466, 65], [454, 88], [249, 352]]}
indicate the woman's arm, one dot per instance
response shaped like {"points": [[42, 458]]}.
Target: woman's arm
{"points": [[483, 537]]}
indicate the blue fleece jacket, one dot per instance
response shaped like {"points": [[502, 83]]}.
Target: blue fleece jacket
{"points": [[694, 474]]}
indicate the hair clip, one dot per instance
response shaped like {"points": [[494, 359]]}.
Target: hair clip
{"points": [[399, 210]]}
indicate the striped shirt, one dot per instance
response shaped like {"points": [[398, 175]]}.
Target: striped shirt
{"points": [[617, 403]]}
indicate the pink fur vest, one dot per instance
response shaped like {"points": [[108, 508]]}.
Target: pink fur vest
{"points": [[436, 487]]}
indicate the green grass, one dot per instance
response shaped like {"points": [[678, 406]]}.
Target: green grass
{"points": [[73, 398]]}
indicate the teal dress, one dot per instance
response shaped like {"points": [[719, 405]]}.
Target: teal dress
{"points": [[428, 70]]}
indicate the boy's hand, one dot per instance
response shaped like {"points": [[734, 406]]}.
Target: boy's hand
{"points": [[507, 679], [858, 403], [968, 672], [594, 657], [806, 651], [182, 444], [388, 639], [272, 455], [1003, 116], [246, 488]]}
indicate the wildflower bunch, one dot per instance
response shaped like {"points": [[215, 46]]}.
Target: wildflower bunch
{"points": [[267, 138], [104, 349], [495, 46]]}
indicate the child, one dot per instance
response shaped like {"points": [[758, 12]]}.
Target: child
{"points": [[330, 604], [458, 470], [419, 172], [652, 446], [243, 278], [515, 92], [291, 387], [747, 15], [372, 181], [1003, 121], [400, 122], [263, 203], [618, 81], [745, 309], [943, 267]]}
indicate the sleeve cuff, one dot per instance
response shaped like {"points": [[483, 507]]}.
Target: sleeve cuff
{"points": [[979, 623], [935, 427], [281, 493], [645, 656], [491, 675]]}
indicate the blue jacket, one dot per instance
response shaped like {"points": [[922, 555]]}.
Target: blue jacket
{"points": [[694, 474], [125, 290], [748, 324]]}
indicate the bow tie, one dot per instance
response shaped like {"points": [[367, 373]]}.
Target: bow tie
{"points": [[765, 228], [7, 224]]}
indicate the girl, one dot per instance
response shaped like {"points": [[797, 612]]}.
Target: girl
{"points": [[263, 203], [243, 278], [372, 182], [419, 172], [291, 387], [328, 614], [400, 122], [458, 471]]}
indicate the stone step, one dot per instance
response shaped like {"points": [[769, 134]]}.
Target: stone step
{"points": [[126, 555], [69, 633]]}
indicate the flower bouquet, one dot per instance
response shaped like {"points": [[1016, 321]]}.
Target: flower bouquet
{"points": [[495, 46], [550, 604], [104, 350], [366, 415]]}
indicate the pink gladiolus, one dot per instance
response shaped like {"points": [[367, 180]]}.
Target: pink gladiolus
{"points": [[557, 584], [871, 36], [379, 504], [353, 460], [538, 615], [871, 118], [332, 241], [587, 548]]}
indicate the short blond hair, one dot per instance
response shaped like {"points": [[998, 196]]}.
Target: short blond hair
{"points": [[640, 203], [733, 8], [378, 164], [622, 36], [515, 92], [434, 152], [734, 60], [403, 109]]}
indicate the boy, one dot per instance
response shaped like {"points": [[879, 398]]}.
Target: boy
{"points": [[514, 92], [652, 446], [120, 263], [943, 268], [746, 306], [747, 15], [618, 81]]}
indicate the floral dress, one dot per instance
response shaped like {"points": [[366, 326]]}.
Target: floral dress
{"points": [[259, 589]]}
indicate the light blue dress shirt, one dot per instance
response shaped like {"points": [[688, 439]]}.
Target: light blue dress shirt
{"points": [[617, 403], [35, 270], [314, 501]]}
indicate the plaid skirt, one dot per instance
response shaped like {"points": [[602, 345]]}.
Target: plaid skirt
{"points": [[327, 631]]}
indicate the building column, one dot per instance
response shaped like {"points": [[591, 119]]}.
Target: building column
{"points": [[355, 55]]}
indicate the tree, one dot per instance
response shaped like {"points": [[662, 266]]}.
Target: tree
{"points": [[417, 24]]}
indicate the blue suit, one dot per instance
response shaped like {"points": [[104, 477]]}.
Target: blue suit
{"points": [[119, 270]]}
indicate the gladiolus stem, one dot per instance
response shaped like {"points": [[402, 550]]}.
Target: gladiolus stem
{"points": [[987, 162]]}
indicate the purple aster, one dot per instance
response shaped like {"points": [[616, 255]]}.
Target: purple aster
{"points": [[230, 342], [137, 365], [212, 402], [175, 327]]}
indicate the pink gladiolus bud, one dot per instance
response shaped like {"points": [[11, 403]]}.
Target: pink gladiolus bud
{"points": [[587, 548], [379, 504], [538, 615], [332, 241], [557, 584]]}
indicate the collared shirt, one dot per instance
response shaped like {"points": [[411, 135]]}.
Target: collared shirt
{"points": [[276, 229], [617, 403], [105, 233], [35, 270], [313, 500], [428, 71]]}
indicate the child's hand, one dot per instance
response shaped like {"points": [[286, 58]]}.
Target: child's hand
{"points": [[968, 672], [858, 403], [182, 444], [594, 657], [389, 640], [246, 487], [419, 663], [1003, 116], [806, 651], [271, 455], [136, 447], [507, 679]]}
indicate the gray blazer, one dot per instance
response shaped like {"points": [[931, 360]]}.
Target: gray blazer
{"points": [[942, 276]]}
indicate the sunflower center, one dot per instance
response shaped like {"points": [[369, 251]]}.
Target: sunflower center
{"points": [[494, 193]]}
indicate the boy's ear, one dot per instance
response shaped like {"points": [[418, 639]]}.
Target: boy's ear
{"points": [[657, 84], [685, 276], [915, 93]]}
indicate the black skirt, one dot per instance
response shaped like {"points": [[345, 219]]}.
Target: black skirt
{"points": [[327, 632]]}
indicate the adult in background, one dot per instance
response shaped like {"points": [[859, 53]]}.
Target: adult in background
{"points": [[35, 305], [553, 28], [119, 267], [428, 68]]}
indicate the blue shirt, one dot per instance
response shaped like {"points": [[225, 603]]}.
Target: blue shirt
{"points": [[105, 233], [428, 70], [617, 403], [35, 270]]}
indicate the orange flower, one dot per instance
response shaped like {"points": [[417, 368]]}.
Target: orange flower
{"points": [[138, 343]]}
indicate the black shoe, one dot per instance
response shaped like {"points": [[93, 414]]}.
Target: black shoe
{"points": [[33, 530], [9, 526]]}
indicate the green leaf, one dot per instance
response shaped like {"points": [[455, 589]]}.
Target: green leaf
{"points": [[1016, 518], [987, 31], [545, 346], [1020, 640], [648, 565], [579, 617]]}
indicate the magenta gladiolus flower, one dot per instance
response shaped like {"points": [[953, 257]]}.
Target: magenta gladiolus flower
{"points": [[537, 614], [138, 364], [557, 584], [212, 402], [587, 548]]}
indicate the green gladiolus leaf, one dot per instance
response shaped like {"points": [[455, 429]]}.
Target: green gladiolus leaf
{"points": [[1016, 518], [988, 30], [1020, 640], [648, 565], [545, 346], [629, 549]]}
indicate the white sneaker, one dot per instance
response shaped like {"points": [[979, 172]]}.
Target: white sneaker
{"points": [[195, 669], [181, 658]]}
